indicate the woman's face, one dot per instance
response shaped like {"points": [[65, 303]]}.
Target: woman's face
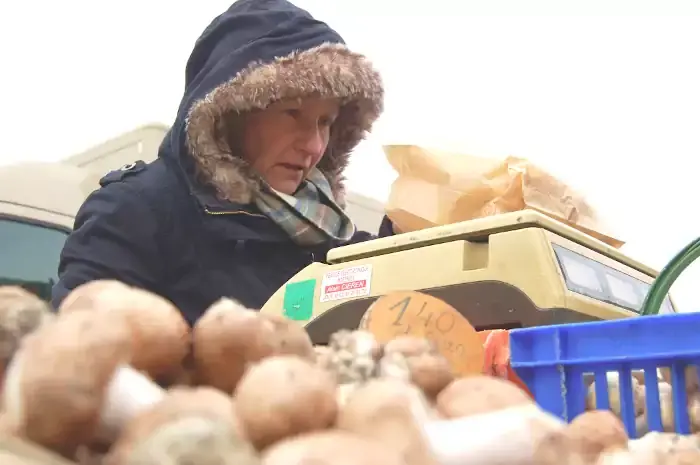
{"points": [[287, 139]]}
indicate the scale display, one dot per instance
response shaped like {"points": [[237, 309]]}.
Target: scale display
{"points": [[592, 279]]}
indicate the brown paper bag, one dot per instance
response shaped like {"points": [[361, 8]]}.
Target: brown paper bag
{"points": [[437, 188]]}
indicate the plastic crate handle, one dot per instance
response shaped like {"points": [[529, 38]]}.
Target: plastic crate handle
{"points": [[662, 284]]}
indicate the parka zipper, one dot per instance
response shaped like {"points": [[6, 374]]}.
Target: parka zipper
{"points": [[312, 255], [209, 212]]}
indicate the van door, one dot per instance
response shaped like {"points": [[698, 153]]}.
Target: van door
{"points": [[29, 254]]}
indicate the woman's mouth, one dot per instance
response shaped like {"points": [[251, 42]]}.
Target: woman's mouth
{"points": [[292, 167]]}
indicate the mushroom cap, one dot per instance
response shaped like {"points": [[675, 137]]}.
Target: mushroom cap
{"points": [[161, 336], [432, 373], [666, 405], [392, 412], [21, 312], [196, 424], [229, 336], [354, 355], [478, 394], [285, 395], [595, 431], [692, 379], [90, 296], [56, 384], [331, 447], [557, 448], [428, 368], [193, 440], [694, 411], [613, 385], [383, 399], [411, 345]]}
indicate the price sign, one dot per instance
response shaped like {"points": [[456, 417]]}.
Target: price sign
{"points": [[421, 315]]}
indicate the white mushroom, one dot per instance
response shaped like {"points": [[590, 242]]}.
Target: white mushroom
{"points": [[333, 447], [354, 356]]}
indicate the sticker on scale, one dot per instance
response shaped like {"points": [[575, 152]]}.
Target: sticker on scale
{"points": [[346, 283]]}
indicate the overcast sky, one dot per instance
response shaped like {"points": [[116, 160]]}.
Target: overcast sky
{"points": [[610, 104]]}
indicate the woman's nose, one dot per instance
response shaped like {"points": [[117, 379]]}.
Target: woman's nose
{"points": [[314, 141]]}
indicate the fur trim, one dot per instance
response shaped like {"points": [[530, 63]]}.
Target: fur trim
{"points": [[329, 70]]}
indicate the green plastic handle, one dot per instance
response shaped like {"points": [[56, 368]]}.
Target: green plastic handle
{"points": [[662, 284]]}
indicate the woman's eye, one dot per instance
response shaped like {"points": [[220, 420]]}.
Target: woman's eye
{"points": [[326, 121], [293, 112]]}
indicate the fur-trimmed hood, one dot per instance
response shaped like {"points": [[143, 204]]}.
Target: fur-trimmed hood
{"points": [[255, 53]]}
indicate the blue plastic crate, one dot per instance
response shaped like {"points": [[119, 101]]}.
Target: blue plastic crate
{"points": [[551, 360]]}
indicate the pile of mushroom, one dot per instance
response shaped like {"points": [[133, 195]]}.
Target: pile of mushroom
{"points": [[639, 398], [117, 377]]}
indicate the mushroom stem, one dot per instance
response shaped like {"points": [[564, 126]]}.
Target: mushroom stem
{"points": [[508, 435], [128, 393]]}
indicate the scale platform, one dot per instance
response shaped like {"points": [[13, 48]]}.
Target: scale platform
{"points": [[519, 269]]}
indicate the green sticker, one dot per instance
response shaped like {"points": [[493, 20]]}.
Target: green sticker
{"points": [[299, 300]]}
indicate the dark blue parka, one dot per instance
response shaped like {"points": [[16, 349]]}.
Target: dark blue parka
{"points": [[183, 226]]}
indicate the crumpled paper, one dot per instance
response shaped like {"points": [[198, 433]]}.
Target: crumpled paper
{"points": [[436, 188]]}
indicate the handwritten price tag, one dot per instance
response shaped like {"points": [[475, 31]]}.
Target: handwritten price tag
{"points": [[421, 315]]}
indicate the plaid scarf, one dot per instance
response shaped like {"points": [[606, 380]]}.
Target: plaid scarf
{"points": [[310, 216]]}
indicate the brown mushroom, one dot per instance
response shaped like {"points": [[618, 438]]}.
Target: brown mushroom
{"points": [[557, 448], [161, 335], [68, 384], [229, 337], [21, 312], [473, 395], [282, 396], [596, 431], [694, 411], [692, 378], [613, 386], [190, 425], [91, 295], [391, 412], [428, 368], [93, 454], [666, 406], [596, 436], [332, 447]]}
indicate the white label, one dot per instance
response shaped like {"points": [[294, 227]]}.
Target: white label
{"points": [[346, 283]]}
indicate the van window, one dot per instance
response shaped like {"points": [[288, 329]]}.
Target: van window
{"points": [[29, 255]]}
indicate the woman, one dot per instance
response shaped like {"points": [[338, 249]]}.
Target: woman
{"points": [[248, 186]]}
